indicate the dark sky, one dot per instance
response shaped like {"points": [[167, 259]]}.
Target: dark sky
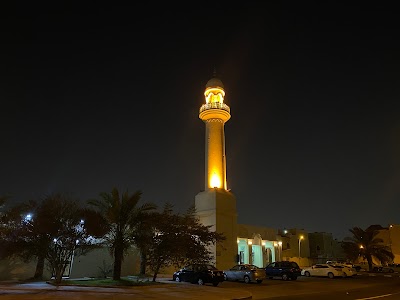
{"points": [[96, 96]]}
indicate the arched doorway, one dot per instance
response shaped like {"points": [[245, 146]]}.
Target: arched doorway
{"points": [[256, 251]]}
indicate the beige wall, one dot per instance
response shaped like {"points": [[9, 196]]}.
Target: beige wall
{"points": [[90, 265], [17, 270], [217, 207], [391, 237], [248, 231]]}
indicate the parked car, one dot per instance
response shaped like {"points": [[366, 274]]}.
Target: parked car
{"points": [[323, 270], [394, 268], [352, 269], [200, 274], [348, 271], [283, 269], [340, 263], [363, 266], [390, 268], [245, 272]]}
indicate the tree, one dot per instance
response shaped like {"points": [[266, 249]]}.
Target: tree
{"points": [[3, 200], [142, 235], [68, 235], [120, 214], [366, 244], [179, 240], [53, 231], [17, 239]]}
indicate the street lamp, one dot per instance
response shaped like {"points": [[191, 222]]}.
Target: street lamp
{"points": [[300, 238], [390, 238]]}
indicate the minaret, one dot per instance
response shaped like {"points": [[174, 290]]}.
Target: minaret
{"points": [[216, 205], [215, 113]]}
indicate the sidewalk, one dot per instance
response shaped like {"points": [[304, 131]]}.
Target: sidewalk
{"points": [[167, 290]]}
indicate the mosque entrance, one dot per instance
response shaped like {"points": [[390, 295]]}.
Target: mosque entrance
{"points": [[256, 251]]}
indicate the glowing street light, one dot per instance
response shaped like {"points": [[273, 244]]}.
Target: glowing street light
{"points": [[300, 238]]}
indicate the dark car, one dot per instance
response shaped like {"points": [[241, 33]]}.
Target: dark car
{"points": [[283, 269], [200, 274]]}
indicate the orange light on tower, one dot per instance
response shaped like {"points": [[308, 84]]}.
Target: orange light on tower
{"points": [[215, 181]]}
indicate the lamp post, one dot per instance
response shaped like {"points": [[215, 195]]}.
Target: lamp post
{"points": [[390, 238], [300, 238]]}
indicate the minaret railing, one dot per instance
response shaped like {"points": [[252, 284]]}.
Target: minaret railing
{"points": [[215, 105]]}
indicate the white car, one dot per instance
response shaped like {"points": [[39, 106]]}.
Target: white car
{"points": [[348, 271], [323, 270]]}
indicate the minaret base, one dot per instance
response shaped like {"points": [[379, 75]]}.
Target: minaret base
{"points": [[217, 207]]}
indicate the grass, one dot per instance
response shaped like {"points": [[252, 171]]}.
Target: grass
{"points": [[109, 282]]}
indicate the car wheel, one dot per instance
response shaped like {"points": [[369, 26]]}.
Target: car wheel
{"points": [[259, 281], [285, 277], [307, 274], [330, 275], [246, 279], [177, 279], [200, 281]]}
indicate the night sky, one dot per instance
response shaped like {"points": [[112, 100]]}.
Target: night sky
{"points": [[96, 96]]}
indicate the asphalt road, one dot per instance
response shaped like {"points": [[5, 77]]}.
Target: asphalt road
{"points": [[357, 288]]}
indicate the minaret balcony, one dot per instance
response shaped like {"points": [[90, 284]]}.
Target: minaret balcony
{"points": [[215, 105]]}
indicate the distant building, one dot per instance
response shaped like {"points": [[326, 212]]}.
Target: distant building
{"points": [[391, 236], [323, 247]]}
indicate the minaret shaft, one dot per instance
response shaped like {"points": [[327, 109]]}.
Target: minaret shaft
{"points": [[215, 163]]}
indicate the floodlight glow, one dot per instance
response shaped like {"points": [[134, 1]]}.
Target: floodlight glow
{"points": [[215, 181]]}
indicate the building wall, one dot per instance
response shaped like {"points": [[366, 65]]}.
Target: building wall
{"points": [[17, 270], [256, 245], [217, 207], [96, 262], [391, 237], [324, 247]]}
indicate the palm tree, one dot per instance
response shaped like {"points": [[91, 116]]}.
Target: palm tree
{"points": [[119, 214], [366, 244]]}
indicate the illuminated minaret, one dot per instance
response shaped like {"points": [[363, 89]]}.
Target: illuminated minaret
{"points": [[215, 113], [216, 205]]}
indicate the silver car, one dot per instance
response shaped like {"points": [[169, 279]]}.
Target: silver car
{"points": [[245, 272]]}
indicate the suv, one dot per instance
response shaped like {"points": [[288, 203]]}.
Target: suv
{"points": [[284, 269]]}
